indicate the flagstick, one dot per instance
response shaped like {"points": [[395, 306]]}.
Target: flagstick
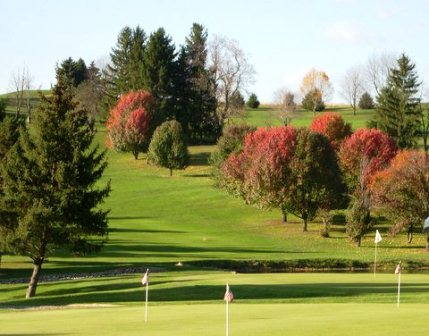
{"points": [[227, 318], [399, 289], [375, 259], [145, 307]]}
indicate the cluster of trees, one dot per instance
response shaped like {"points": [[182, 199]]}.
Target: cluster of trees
{"points": [[49, 189], [310, 171], [199, 85]]}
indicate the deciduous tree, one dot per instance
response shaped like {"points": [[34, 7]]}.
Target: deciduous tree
{"points": [[168, 147], [364, 153], [317, 84], [284, 100], [315, 177], [232, 71], [352, 86], [402, 190], [333, 126], [129, 123]]}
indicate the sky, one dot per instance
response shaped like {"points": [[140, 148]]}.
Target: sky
{"points": [[283, 39]]}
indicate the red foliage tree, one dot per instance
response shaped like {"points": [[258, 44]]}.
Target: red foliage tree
{"points": [[333, 126], [402, 190], [259, 172], [128, 123], [364, 153]]}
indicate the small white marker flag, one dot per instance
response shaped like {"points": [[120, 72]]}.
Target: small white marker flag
{"points": [[145, 279], [228, 297], [377, 237], [398, 269]]}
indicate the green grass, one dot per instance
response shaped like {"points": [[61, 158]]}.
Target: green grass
{"points": [[245, 319], [157, 220], [268, 304], [269, 116]]}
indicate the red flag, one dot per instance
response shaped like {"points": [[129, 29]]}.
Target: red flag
{"points": [[228, 297], [398, 269], [145, 279]]}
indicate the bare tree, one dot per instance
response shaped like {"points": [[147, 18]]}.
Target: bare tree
{"points": [[231, 70], [377, 69], [28, 86], [352, 86], [284, 101], [21, 82]]}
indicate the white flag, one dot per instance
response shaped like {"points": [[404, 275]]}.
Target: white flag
{"points": [[228, 295], [145, 279], [377, 237], [398, 269]]}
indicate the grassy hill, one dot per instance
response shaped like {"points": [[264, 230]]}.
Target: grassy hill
{"points": [[157, 221]]}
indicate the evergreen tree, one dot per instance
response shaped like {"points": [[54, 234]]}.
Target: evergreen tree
{"points": [[397, 111], [366, 102], [159, 73], [50, 197], [3, 104], [201, 110], [72, 72], [124, 73], [253, 101]]}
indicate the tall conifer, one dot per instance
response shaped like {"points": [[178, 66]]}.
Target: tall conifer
{"points": [[397, 111], [49, 194]]}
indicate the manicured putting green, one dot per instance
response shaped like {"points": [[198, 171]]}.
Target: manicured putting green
{"points": [[209, 319]]}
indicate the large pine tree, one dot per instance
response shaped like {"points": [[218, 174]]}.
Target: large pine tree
{"points": [[159, 74], [202, 118], [50, 198], [124, 73], [397, 111]]}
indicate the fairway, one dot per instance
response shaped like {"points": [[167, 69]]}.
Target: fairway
{"points": [[209, 319]]}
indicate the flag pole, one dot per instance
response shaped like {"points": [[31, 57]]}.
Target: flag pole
{"points": [[399, 288], [227, 318], [375, 259], [147, 297]]}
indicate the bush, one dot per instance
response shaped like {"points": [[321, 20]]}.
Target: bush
{"points": [[253, 101], [366, 102], [168, 147], [308, 104]]}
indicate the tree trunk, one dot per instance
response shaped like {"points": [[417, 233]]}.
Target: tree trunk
{"points": [[32, 286], [305, 219], [171, 172], [136, 155], [357, 241], [284, 213], [410, 234]]}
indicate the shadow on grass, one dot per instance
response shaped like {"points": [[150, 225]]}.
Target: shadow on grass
{"points": [[145, 230], [199, 159], [134, 292]]}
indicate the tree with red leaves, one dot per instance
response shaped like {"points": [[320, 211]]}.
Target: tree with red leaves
{"points": [[294, 170], [333, 126], [362, 155], [129, 122], [259, 173], [402, 190]]}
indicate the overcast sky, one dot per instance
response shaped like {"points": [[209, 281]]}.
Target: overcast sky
{"points": [[283, 39]]}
